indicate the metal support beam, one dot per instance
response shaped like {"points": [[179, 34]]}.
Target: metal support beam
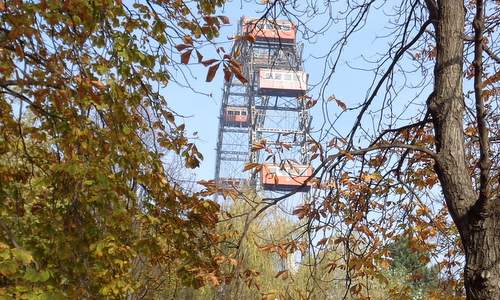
{"points": [[278, 119]]}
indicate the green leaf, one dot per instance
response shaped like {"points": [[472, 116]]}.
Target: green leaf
{"points": [[8, 268], [53, 295], [33, 275], [126, 130], [22, 255]]}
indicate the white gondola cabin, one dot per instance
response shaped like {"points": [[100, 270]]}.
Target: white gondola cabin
{"points": [[282, 83]]}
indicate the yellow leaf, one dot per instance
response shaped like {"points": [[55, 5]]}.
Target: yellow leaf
{"points": [[22, 255]]}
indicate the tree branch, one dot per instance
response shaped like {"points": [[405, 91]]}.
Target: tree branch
{"points": [[398, 55], [484, 146], [486, 49], [433, 9], [27, 100], [426, 120]]}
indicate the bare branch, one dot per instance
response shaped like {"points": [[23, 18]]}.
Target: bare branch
{"points": [[399, 53], [484, 147]]}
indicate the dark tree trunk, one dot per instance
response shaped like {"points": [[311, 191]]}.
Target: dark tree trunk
{"points": [[475, 214], [482, 270]]}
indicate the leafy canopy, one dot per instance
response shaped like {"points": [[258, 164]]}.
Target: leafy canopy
{"points": [[86, 208]]}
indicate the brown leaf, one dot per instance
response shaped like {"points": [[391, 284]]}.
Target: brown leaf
{"points": [[283, 273], [224, 19], [98, 84], [301, 211], [322, 242], [238, 74], [310, 103], [200, 57], [332, 143], [210, 20], [286, 146], [341, 104], [232, 62], [207, 63], [211, 72], [258, 146], [181, 47], [214, 280], [492, 79], [185, 57], [489, 93], [188, 40], [221, 49], [227, 74], [249, 166], [347, 154]]}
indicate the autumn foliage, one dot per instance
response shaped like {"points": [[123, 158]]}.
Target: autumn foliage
{"points": [[86, 208]]}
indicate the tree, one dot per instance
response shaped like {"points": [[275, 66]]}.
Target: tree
{"points": [[87, 209], [379, 178], [261, 265], [474, 206], [410, 267]]}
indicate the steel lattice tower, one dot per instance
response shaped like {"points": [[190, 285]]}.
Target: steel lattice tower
{"points": [[250, 114]]}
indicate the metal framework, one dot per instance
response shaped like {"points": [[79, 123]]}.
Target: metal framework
{"points": [[277, 119]]}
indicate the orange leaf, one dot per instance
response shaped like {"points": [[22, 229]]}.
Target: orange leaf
{"points": [[237, 52], [347, 154], [98, 84], [248, 37], [259, 145], [249, 166], [492, 79], [245, 37]]}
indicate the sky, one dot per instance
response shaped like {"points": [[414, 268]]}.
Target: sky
{"points": [[200, 105]]}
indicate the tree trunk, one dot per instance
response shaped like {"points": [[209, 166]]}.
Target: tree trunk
{"points": [[477, 218], [482, 269]]}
